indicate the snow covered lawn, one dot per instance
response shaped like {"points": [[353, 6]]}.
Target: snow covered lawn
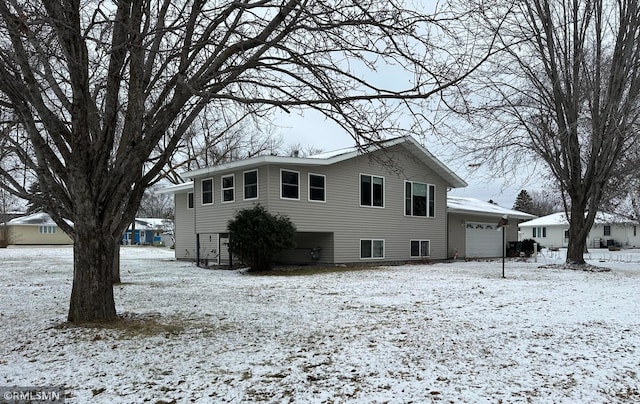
{"points": [[450, 332]]}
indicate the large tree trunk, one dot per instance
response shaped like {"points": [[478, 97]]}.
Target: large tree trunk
{"points": [[579, 227], [92, 292], [116, 264]]}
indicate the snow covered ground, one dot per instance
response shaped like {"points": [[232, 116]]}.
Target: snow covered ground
{"points": [[450, 332]]}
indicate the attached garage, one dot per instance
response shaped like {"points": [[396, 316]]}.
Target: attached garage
{"points": [[483, 240], [472, 227]]}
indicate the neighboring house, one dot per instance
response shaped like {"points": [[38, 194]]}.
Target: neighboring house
{"points": [[386, 205], [608, 229], [473, 227], [150, 231], [37, 228]]}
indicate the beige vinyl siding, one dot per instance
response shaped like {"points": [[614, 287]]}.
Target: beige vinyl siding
{"points": [[30, 235], [456, 235], [350, 222], [185, 247], [214, 218]]}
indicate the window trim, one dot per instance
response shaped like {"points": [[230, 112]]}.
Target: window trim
{"points": [[190, 201], [540, 232], [232, 188], [202, 202], [420, 241], [606, 230], [324, 189], [371, 241], [282, 170], [383, 190], [430, 203], [244, 185]]}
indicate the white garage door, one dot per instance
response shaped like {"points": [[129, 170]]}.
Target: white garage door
{"points": [[483, 240]]}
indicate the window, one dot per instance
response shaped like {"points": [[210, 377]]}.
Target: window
{"points": [[316, 187], [47, 229], [190, 200], [566, 234], [289, 184], [207, 191], [228, 189], [251, 184], [607, 230], [420, 248], [539, 232], [634, 231], [419, 199], [371, 248], [371, 190]]}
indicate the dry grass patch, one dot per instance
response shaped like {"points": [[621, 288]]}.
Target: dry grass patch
{"points": [[132, 325]]}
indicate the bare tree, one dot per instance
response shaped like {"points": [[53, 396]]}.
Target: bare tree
{"points": [[104, 92], [156, 205], [220, 136], [545, 202], [565, 91]]}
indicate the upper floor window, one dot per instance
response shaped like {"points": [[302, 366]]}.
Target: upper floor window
{"points": [[251, 184], [607, 230], [371, 190], [207, 191], [228, 188], [47, 229], [419, 199], [317, 187], [190, 200], [289, 184]]}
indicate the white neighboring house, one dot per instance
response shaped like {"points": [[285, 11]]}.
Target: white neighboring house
{"points": [[608, 230]]}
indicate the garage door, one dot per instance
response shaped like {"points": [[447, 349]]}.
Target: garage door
{"points": [[483, 240]]}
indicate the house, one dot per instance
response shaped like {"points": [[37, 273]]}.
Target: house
{"points": [[389, 204], [473, 230], [149, 231], [348, 207], [608, 229], [37, 228]]}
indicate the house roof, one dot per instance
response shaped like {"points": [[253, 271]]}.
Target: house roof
{"points": [[560, 219], [456, 204], [176, 189], [328, 158], [35, 219], [150, 223]]}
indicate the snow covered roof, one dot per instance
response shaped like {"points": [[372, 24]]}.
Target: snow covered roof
{"points": [[150, 223], [560, 219], [456, 204], [35, 219], [328, 158]]}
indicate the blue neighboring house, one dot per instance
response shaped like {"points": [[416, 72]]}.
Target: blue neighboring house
{"points": [[149, 231]]}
